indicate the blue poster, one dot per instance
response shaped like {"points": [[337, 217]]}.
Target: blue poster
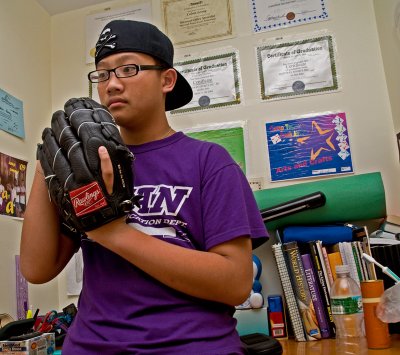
{"points": [[309, 147], [11, 114]]}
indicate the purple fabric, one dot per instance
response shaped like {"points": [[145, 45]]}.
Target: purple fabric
{"points": [[195, 196]]}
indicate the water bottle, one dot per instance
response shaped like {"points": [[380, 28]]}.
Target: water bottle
{"points": [[346, 305]]}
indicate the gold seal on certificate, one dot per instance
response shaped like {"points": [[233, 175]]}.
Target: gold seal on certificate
{"points": [[189, 22]]}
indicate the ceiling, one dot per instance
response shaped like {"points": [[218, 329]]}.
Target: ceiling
{"points": [[54, 7]]}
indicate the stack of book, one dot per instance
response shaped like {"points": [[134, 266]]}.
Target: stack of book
{"points": [[307, 272]]}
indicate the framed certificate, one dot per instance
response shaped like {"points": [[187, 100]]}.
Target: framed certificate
{"points": [[189, 22], [268, 15], [297, 68], [310, 146], [215, 81]]}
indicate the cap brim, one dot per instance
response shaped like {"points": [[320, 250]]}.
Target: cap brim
{"points": [[180, 96]]}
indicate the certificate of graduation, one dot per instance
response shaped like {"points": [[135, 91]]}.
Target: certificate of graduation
{"points": [[310, 146], [214, 81], [189, 22], [268, 15], [303, 67]]}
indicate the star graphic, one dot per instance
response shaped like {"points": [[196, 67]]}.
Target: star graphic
{"points": [[321, 132]]}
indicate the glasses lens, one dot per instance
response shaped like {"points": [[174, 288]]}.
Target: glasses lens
{"points": [[98, 75], [125, 71]]}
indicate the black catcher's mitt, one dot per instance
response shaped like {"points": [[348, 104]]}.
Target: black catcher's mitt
{"points": [[71, 164]]}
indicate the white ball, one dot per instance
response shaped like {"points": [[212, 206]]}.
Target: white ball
{"points": [[256, 300]]}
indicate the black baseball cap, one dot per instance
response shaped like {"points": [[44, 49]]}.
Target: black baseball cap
{"points": [[136, 36]]}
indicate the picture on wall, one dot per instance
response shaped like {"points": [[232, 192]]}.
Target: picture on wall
{"points": [[310, 146], [215, 81], [189, 22], [230, 135], [12, 186], [269, 15], [11, 114], [297, 68]]}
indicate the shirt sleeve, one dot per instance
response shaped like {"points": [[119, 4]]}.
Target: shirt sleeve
{"points": [[229, 207]]}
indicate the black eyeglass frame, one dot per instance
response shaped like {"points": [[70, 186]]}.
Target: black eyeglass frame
{"points": [[138, 67]]}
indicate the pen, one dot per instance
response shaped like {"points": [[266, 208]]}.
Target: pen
{"points": [[36, 313]]}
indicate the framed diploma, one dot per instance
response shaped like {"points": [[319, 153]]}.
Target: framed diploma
{"points": [[96, 22], [268, 15], [189, 22], [215, 81], [297, 68], [231, 135], [310, 146]]}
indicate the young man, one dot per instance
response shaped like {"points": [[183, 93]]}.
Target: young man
{"points": [[166, 279]]}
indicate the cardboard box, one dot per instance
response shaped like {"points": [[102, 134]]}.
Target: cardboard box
{"points": [[43, 344]]}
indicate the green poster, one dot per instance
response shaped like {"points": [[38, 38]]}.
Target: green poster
{"points": [[230, 138]]}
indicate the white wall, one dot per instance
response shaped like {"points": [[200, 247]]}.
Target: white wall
{"points": [[387, 14], [364, 97], [25, 74]]}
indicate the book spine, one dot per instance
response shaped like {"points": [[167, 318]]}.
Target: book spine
{"points": [[290, 298], [315, 295], [363, 263], [322, 285], [366, 247], [301, 291], [334, 260], [327, 265], [318, 244], [343, 253], [351, 262], [357, 261]]}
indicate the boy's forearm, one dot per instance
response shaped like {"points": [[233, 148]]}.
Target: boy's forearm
{"points": [[43, 251], [223, 274]]}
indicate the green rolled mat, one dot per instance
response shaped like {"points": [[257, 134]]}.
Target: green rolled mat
{"points": [[349, 198]]}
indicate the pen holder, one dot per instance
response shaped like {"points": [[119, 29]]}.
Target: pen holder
{"points": [[377, 332]]}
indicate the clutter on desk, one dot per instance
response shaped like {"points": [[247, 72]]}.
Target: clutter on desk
{"points": [[36, 335], [40, 344], [56, 322]]}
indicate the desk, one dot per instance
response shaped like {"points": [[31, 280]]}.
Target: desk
{"points": [[328, 346]]}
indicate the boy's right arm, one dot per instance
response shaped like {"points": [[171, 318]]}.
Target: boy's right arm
{"points": [[44, 251]]}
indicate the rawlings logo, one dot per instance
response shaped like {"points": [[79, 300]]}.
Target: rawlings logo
{"points": [[88, 198]]}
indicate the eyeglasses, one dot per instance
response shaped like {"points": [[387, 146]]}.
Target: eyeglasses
{"points": [[123, 71]]}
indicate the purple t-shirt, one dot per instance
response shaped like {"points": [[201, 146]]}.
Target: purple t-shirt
{"points": [[195, 196]]}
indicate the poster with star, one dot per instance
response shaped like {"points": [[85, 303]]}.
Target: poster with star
{"points": [[309, 146]]}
